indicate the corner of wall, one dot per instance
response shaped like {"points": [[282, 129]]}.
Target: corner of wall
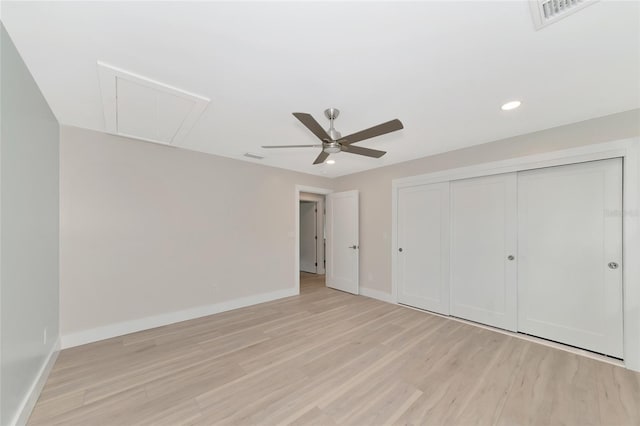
{"points": [[29, 401]]}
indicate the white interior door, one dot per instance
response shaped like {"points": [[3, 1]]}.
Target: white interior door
{"points": [[308, 229], [342, 241], [423, 247], [483, 237], [570, 228]]}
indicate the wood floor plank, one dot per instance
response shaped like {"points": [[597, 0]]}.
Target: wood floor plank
{"points": [[315, 417], [618, 395], [104, 412], [56, 405], [298, 404], [328, 358], [383, 407], [489, 393], [554, 387]]}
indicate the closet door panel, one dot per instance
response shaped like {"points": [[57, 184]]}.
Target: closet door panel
{"points": [[483, 236], [423, 238], [570, 228]]}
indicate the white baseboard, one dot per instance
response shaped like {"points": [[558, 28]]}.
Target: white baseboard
{"points": [[376, 294], [118, 329], [30, 399]]}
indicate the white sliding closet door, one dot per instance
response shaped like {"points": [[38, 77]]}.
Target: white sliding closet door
{"points": [[570, 229], [423, 247], [483, 249]]}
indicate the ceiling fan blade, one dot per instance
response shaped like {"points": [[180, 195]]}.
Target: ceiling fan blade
{"points": [[291, 146], [312, 125], [363, 151], [320, 159], [372, 132]]}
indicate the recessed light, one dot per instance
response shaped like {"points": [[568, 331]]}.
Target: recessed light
{"points": [[511, 105], [331, 161]]}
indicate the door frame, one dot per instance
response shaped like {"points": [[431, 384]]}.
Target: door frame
{"points": [[628, 150], [296, 204]]}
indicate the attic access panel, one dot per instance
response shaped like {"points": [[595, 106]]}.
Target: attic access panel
{"points": [[141, 108]]}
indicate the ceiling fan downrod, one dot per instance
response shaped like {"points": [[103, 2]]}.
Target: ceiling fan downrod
{"points": [[332, 114]]}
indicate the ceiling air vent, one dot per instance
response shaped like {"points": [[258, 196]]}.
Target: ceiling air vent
{"points": [[139, 107], [547, 12]]}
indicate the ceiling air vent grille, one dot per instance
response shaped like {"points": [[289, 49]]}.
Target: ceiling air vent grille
{"points": [[546, 12]]}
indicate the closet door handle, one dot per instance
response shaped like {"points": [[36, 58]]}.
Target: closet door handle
{"points": [[613, 265], [400, 249], [511, 257]]}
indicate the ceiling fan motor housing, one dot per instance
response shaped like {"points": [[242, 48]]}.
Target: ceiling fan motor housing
{"points": [[331, 147]]}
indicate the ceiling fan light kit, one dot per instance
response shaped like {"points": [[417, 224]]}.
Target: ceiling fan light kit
{"points": [[331, 148], [332, 140]]}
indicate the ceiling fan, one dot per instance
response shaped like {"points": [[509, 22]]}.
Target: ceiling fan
{"points": [[333, 141]]}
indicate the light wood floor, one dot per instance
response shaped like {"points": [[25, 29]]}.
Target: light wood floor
{"points": [[326, 357]]}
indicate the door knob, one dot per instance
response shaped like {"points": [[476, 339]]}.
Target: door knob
{"points": [[613, 265], [400, 249], [353, 247], [511, 257]]}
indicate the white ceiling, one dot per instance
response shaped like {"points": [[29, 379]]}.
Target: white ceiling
{"points": [[443, 68]]}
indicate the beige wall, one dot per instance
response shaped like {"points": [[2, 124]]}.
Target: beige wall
{"points": [[375, 185], [147, 229]]}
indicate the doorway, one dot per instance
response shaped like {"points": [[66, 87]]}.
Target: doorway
{"points": [[312, 233], [310, 256], [341, 251]]}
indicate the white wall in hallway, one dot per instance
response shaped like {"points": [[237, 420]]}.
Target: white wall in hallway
{"points": [[319, 199], [308, 237]]}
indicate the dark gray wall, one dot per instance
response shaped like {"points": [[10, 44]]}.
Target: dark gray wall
{"points": [[29, 159]]}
